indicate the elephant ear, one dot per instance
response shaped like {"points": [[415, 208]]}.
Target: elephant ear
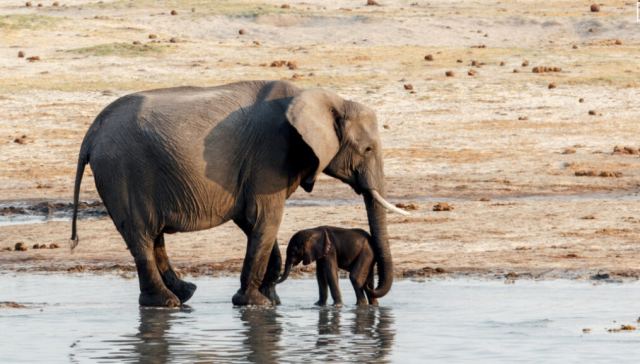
{"points": [[313, 113], [323, 247]]}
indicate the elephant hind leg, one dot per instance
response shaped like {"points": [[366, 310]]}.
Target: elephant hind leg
{"points": [[153, 291], [184, 290]]}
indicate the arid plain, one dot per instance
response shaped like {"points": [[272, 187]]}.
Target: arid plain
{"points": [[527, 160]]}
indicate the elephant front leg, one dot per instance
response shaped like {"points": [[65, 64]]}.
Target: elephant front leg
{"points": [[183, 289], [268, 287], [259, 248]]}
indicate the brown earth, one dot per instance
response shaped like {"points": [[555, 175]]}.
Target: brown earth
{"points": [[493, 145]]}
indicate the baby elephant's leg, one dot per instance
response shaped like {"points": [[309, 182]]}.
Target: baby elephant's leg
{"points": [[322, 282], [358, 276], [331, 272]]}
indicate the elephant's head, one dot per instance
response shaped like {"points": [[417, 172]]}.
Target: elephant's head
{"points": [[305, 246], [343, 136]]}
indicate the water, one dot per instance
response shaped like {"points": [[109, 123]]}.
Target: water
{"points": [[87, 318]]}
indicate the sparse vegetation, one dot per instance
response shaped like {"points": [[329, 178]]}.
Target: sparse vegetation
{"points": [[28, 21], [122, 49]]}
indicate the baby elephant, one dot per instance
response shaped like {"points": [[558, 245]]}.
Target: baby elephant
{"points": [[334, 248]]}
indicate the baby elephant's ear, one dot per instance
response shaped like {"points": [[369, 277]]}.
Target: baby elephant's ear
{"points": [[313, 114], [323, 247]]}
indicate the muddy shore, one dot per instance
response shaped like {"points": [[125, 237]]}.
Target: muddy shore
{"points": [[543, 180]]}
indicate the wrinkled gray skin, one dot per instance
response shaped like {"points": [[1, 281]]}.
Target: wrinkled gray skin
{"points": [[332, 248], [188, 158]]}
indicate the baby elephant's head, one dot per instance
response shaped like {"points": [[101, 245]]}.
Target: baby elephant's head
{"points": [[305, 246]]}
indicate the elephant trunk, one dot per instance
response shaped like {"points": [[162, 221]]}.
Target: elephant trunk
{"points": [[287, 269], [377, 216]]}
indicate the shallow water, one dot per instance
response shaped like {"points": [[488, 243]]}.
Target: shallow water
{"points": [[86, 318]]}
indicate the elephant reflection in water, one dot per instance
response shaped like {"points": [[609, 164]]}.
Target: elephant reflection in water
{"points": [[153, 343], [262, 335], [371, 336]]}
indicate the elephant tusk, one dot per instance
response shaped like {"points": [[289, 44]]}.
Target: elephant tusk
{"points": [[387, 205]]}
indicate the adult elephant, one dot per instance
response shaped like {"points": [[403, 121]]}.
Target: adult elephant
{"points": [[189, 158]]}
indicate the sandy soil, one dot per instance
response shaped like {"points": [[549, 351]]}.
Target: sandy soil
{"points": [[500, 146]]}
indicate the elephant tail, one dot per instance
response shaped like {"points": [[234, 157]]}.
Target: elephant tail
{"points": [[83, 159]]}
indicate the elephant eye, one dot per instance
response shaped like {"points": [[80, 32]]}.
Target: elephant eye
{"points": [[368, 149]]}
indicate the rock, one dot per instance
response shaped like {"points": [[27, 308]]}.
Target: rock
{"points": [[36, 246], [28, 4], [33, 58], [278, 63], [586, 330], [592, 112], [594, 8], [407, 206], [408, 86], [552, 85], [53, 246], [522, 118], [588, 217], [39, 5], [618, 42], [7, 249], [372, 3], [428, 57], [622, 328], [20, 247], [458, 61], [292, 65], [449, 74], [575, 46], [515, 70], [600, 276], [569, 151], [242, 32], [585, 173], [471, 72], [592, 173], [11, 304], [581, 100], [543, 69], [285, 6], [613, 174], [442, 206], [256, 43], [136, 42], [502, 63], [479, 46], [21, 139], [484, 199], [173, 40], [55, 3], [20, 54], [152, 36], [625, 150], [525, 63], [173, 12]]}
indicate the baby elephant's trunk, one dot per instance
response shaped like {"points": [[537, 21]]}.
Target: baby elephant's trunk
{"points": [[285, 275]]}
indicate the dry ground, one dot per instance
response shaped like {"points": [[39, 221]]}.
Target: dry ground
{"points": [[500, 146]]}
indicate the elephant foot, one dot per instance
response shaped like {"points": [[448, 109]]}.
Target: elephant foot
{"points": [[184, 290], [163, 299], [320, 303], [250, 298], [270, 293], [337, 304]]}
